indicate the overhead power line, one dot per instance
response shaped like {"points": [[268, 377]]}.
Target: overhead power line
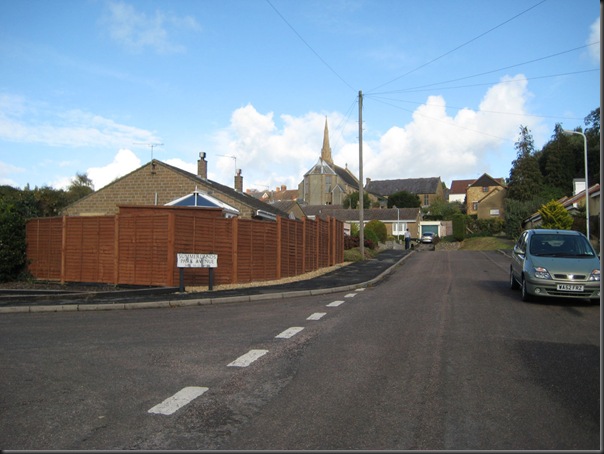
{"points": [[308, 45], [406, 90], [460, 46]]}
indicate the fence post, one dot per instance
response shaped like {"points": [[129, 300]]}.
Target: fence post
{"points": [[235, 252], [63, 247], [279, 245], [171, 249]]}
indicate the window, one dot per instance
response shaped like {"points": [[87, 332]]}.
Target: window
{"points": [[485, 189], [494, 212], [426, 199], [475, 206]]}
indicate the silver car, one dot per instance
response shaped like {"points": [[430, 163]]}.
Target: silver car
{"points": [[555, 263]]}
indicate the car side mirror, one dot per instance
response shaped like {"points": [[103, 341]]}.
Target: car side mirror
{"points": [[518, 251]]}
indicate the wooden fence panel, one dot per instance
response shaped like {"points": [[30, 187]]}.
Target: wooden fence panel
{"points": [[139, 247], [44, 238], [198, 235], [143, 250], [89, 253]]}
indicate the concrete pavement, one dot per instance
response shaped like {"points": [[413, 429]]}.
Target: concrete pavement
{"points": [[352, 276]]}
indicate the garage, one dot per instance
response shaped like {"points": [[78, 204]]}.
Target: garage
{"points": [[425, 227]]}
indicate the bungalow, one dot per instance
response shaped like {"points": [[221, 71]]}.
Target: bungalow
{"points": [[157, 183], [397, 220]]}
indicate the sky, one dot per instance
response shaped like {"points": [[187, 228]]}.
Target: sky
{"points": [[101, 87]]}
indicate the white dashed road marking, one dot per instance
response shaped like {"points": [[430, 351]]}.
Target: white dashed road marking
{"points": [[316, 316], [248, 358], [289, 332], [360, 289], [335, 303], [178, 400], [351, 295]]}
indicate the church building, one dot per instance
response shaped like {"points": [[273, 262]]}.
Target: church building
{"points": [[326, 183]]}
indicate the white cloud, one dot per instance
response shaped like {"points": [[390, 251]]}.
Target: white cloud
{"points": [[26, 123], [267, 155], [594, 36], [125, 161], [433, 143], [136, 30], [6, 170]]}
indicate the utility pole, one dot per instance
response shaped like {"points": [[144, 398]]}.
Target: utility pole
{"points": [[361, 194]]}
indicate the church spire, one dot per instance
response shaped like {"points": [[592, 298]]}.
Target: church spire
{"points": [[326, 149]]}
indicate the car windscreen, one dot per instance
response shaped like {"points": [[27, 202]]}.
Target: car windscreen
{"points": [[556, 245]]}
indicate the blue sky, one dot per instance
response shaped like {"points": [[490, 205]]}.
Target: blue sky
{"points": [[86, 85]]}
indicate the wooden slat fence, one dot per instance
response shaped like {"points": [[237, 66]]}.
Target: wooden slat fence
{"points": [[138, 246]]}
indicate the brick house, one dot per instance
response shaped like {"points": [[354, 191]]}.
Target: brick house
{"points": [[157, 183], [427, 189], [485, 197], [457, 193]]}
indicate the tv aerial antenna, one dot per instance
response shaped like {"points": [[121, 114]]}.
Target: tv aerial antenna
{"points": [[232, 157], [150, 145]]}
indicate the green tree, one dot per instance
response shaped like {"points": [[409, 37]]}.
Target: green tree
{"points": [[79, 188], [554, 216], [352, 201], [525, 179], [12, 240], [440, 209], [404, 199]]}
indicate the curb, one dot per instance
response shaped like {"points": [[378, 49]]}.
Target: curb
{"points": [[197, 302]]}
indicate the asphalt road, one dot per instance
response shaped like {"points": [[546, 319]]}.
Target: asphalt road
{"points": [[441, 354]]}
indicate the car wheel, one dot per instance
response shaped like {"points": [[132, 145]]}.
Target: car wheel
{"points": [[526, 296], [513, 282]]}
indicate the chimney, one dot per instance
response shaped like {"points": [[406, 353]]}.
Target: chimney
{"points": [[202, 166], [283, 188], [367, 181], [238, 181]]}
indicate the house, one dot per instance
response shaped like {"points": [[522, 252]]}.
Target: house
{"points": [[157, 183], [280, 194], [291, 207], [397, 220], [427, 189], [572, 204], [485, 196], [326, 183], [457, 193]]}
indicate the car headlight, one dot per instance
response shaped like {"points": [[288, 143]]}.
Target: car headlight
{"points": [[595, 275], [542, 273]]}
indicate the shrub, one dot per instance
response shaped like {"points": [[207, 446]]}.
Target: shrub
{"points": [[379, 228], [459, 227]]}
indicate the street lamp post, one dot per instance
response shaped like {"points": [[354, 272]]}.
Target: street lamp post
{"points": [[398, 223], [568, 132]]}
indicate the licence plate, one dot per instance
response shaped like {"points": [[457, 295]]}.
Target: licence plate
{"points": [[570, 288]]}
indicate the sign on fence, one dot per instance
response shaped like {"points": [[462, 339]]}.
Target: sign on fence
{"points": [[197, 260]]}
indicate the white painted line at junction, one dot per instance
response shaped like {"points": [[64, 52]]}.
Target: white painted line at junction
{"points": [[178, 400], [289, 332], [335, 303], [248, 358], [351, 295], [316, 316], [360, 289]]}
